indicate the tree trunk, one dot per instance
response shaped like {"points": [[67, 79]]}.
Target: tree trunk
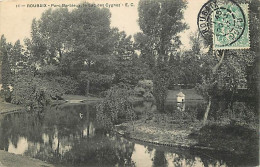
{"points": [[214, 70], [207, 112], [87, 91], [88, 121]]}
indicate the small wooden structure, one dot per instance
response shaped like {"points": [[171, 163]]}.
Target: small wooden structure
{"points": [[180, 97]]}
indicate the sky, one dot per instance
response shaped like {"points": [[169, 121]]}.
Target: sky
{"points": [[15, 22]]}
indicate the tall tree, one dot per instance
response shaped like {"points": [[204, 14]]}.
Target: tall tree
{"points": [[80, 42], [5, 67], [160, 22], [129, 68]]}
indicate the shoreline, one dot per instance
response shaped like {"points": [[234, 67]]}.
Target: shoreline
{"points": [[180, 134], [9, 159], [183, 139]]}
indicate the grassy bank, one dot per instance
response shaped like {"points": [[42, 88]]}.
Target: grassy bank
{"points": [[8, 160], [227, 138], [173, 134]]}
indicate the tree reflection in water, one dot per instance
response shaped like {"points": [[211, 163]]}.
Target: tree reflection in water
{"points": [[59, 135], [159, 159]]}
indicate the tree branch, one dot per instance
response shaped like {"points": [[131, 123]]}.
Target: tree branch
{"points": [[215, 68]]}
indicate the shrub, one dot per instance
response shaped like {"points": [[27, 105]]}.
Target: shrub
{"points": [[69, 85], [98, 82], [116, 106], [34, 91]]}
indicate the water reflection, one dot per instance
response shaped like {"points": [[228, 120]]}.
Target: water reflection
{"points": [[68, 135], [148, 156], [181, 107]]}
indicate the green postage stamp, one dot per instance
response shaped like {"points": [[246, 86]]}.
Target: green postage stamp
{"points": [[230, 27], [226, 23]]}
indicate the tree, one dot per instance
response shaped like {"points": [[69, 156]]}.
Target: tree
{"points": [[117, 105], [188, 65], [35, 91], [129, 68], [81, 43], [6, 70], [160, 22], [226, 71]]}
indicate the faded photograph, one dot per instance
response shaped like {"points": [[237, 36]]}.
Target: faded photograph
{"points": [[142, 83]]}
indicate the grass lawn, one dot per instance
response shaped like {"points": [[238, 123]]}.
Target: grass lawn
{"points": [[228, 138]]}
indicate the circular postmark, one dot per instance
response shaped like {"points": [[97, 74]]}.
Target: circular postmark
{"points": [[222, 20]]}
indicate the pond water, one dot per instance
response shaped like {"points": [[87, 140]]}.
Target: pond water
{"points": [[67, 135]]}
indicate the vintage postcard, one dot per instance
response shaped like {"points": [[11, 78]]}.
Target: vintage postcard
{"points": [[144, 83]]}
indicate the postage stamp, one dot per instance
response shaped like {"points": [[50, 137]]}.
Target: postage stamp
{"points": [[225, 23]]}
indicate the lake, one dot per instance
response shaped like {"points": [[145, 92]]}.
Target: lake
{"points": [[67, 135]]}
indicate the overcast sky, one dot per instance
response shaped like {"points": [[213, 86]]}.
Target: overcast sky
{"points": [[15, 23]]}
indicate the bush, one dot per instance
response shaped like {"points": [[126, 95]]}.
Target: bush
{"points": [[144, 89], [35, 92], [6, 94], [69, 85], [236, 138], [98, 82], [117, 106]]}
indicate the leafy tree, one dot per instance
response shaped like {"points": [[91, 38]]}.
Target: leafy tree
{"points": [[160, 22], [17, 58], [97, 82], [6, 70], [80, 42], [117, 105], [188, 66], [35, 91]]}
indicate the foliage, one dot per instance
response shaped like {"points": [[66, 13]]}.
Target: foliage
{"points": [[117, 105], [219, 137], [231, 75], [131, 71], [98, 82], [82, 45], [6, 70], [244, 114], [68, 84], [237, 69], [34, 91], [6, 94], [160, 22], [189, 67], [160, 88], [144, 88], [128, 67]]}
